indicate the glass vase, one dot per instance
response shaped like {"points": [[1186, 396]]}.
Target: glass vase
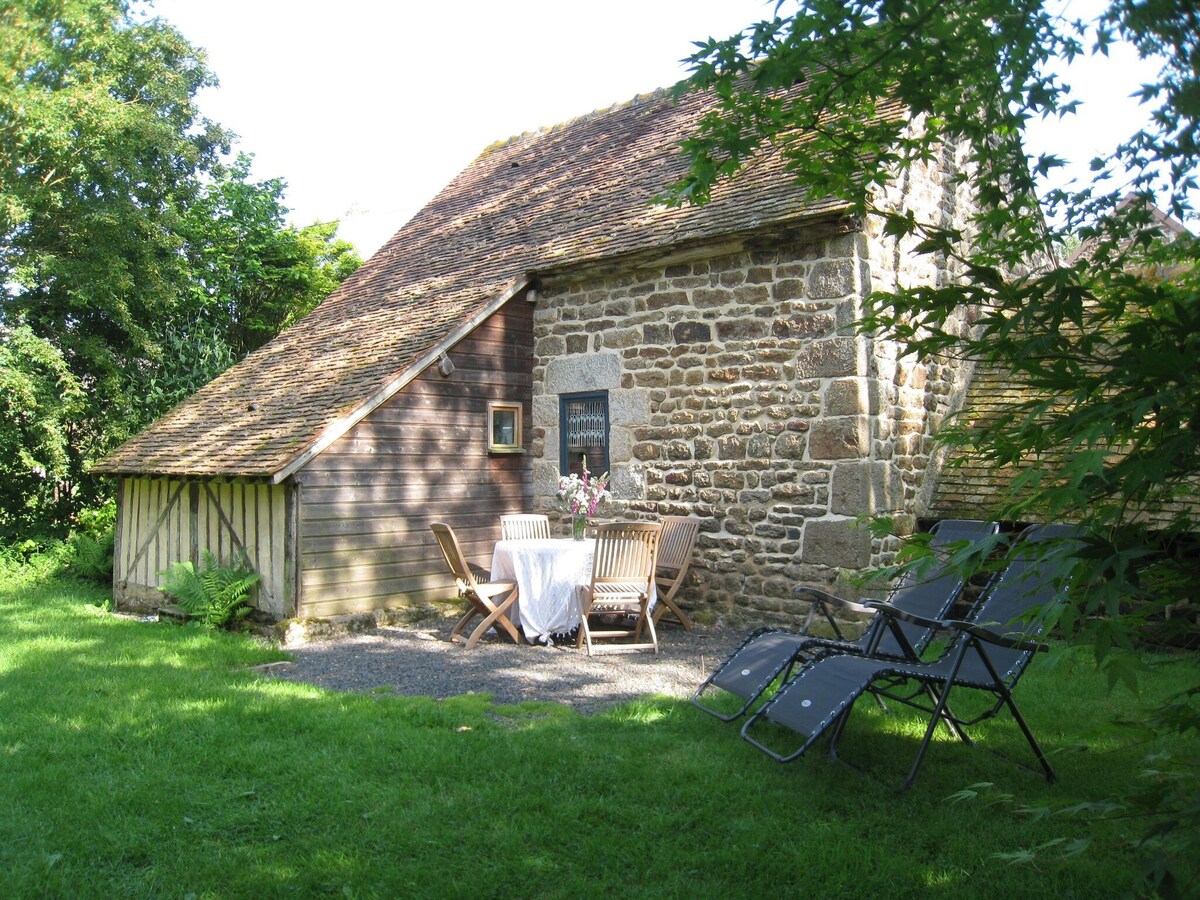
{"points": [[578, 527]]}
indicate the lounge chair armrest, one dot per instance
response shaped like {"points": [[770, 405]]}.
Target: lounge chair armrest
{"points": [[825, 602], [821, 596], [892, 612], [1011, 641]]}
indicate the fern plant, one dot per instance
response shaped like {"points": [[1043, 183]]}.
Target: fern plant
{"points": [[218, 595], [92, 556]]}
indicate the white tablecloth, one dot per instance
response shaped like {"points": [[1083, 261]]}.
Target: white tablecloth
{"points": [[548, 573]]}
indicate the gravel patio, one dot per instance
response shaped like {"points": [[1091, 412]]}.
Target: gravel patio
{"points": [[419, 660]]}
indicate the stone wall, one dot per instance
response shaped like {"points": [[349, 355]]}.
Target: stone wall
{"points": [[919, 395], [739, 393]]}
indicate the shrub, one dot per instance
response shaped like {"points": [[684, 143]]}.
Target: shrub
{"points": [[96, 521], [92, 556], [219, 595]]}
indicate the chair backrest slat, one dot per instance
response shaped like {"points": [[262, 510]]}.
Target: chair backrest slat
{"points": [[625, 551], [677, 541], [448, 543], [524, 526]]}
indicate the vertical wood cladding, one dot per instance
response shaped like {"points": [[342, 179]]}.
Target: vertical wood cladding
{"points": [[367, 501], [164, 521]]}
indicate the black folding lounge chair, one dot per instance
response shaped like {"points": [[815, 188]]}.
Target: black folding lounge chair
{"points": [[771, 653], [989, 653]]}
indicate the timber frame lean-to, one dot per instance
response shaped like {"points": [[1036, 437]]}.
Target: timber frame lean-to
{"points": [[162, 521]]}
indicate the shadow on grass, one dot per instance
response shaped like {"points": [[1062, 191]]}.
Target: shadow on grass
{"points": [[143, 760]]}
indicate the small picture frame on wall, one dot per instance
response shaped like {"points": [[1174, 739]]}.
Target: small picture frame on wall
{"points": [[504, 428]]}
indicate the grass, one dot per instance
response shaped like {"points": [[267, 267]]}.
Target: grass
{"points": [[144, 759]]}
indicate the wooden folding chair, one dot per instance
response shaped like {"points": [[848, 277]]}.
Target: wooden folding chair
{"points": [[524, 526], [480, 594], [675, 546], [622, 579]]}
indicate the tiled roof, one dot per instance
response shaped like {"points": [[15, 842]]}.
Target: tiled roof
{"points": [[574, 193], [970, 488]]}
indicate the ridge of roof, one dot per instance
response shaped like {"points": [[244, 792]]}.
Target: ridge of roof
{"points": [[645, 97], [1168, 227]]}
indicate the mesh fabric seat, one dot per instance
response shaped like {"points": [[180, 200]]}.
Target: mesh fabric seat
{"points": [[488, 599], [675, 546], [771, 653], [988, 654], [622, 579], [523, 526]]}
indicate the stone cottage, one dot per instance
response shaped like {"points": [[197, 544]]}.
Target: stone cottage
{"points": [[546, 305]]}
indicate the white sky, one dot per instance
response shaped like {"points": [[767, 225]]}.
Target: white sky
{"points": [[366, 108]]}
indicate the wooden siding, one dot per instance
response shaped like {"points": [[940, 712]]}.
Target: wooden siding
{"points": [[162, 521], [366, 502]]}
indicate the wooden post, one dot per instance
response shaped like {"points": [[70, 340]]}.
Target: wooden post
{"points": [[194, 523], [293, 598], [118, 543]]}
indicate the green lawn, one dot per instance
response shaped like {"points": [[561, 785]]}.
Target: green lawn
{"points": [[145, 759]]}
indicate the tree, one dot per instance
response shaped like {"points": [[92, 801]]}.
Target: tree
{"points": [[1108, 343], [39, 397], [101, 149], [101, 146], [128, 242], [252, 273]]}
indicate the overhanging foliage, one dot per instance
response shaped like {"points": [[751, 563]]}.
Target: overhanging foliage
{"points": [[1106, 343]]}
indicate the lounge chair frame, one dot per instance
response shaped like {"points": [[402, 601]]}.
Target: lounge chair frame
{"points": [[770, 655], [979, 657]]}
